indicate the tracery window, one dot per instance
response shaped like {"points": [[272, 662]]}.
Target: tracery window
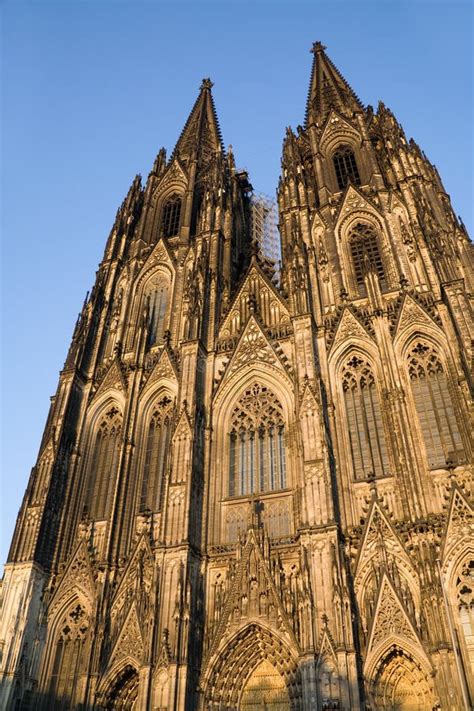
{"points": [[156, 453], [365, 252], [346, 167], [465, 605], [66, 667], [257, 459], [434, 406], [170, 216], [157, 302], [103, 468], [364, 420]]}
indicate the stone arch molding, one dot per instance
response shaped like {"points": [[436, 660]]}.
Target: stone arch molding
{"points": [[226, 674]]}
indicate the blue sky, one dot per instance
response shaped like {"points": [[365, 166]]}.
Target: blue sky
{"points": [[92, 90]]}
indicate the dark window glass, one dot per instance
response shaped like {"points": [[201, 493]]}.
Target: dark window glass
{"points": [[257, 444], [171, 216], [434, 406], [365, 253], [346, 167], [364, 420]]}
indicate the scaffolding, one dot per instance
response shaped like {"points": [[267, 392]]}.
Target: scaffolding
{"points": [[265, 228]]}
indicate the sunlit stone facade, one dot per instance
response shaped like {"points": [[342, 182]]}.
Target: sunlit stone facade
{"points": [[251, 494]]}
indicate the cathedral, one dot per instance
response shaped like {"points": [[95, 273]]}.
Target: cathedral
{"points": [[252, 491]]}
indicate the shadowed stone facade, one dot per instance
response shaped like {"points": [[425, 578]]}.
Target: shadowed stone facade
{"points": [[254, 494]]}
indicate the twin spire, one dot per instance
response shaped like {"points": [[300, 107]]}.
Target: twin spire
{"points": [[327, 89], [201, 132]]}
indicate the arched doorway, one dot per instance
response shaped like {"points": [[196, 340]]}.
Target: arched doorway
{"points": [[265, 689], [124, 693], [256, 670], [401, 684]]}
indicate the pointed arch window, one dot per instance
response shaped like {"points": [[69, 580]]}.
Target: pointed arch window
{"points": [[157, 296], [103, 468], [171, 216], [67, 659], [257, 456], [156, 455], [434, 406], [365, 252], [345, 166], [364, 420]]}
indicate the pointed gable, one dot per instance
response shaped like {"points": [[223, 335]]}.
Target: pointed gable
{"points": [[390, 618], [254, 346], [164, 369], [137, 576], [354, 200], [268, 303], [174, 175], [349, 327], [112, 380], [459, 527], [337, 129], [129, 641], [411, 313], [252, 595], [160, 254], [78, 578], [379, 532]]}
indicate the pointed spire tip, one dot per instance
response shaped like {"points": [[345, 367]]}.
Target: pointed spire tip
{"points": [[206, 84], [317, 47]]}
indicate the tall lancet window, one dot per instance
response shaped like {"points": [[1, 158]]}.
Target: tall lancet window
{"points": [[434, 406], [365, 251], [67, 660], [364, 420], [171, 216], [257, 457], [156, 455], [157, 301], [346, 167], [103, 467]]}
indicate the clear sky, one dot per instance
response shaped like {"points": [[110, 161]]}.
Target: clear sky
{"points": [[92, 90]]}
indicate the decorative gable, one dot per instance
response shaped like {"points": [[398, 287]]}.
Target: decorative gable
{"points": [[129, 641], [355, 201], [380, 540], [253, 347], [390, 618], [459, 525], [137, 577], [174, 174], [349, 327], [163, 369], [256, 294], [253, 595], [112, 380], [337, 129], [77, 578], [411, 313]]}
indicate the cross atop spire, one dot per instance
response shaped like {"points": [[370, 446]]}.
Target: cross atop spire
{"points": [[317, 47], [328, 89], [206, 84], [201, 132]]}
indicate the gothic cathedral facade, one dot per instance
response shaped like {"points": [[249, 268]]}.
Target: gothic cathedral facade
{"points": [[253, 493]]}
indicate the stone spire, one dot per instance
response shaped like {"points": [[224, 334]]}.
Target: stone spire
{"points": [[201, 134], [328, 89]]}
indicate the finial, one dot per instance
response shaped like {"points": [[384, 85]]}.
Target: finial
{"points": [[317, 47], [206, 84]]}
